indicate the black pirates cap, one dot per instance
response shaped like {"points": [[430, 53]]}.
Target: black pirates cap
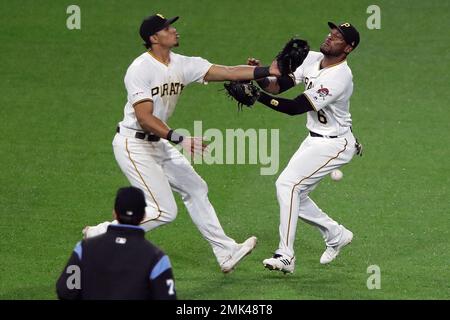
{"points": [[153, 24], [349, 32], [130, 205]]}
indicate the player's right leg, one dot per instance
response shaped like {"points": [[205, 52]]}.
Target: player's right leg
{"points": [[138, 160], [194, 192]]}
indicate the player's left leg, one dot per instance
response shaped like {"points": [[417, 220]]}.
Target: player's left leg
{"points": [[310, 213], [335, 235], [194, 192]]}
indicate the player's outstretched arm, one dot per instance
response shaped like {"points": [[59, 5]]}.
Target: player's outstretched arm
{"points": [[296, 106], [273, 85], [240, 73], [268, 84]]}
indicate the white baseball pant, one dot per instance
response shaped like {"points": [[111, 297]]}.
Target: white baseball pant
{"points": [[158, 168], [316, 157]]}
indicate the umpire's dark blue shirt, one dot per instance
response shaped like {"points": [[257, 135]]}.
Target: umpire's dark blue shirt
{"points": [[120, 264]]}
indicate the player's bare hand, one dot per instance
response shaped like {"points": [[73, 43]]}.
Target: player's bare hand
{"points": [[253, 62], [194, 145], [273, 69]]}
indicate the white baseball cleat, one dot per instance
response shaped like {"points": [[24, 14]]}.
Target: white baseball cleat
{"points": [[280, 263], [241, 251], [92, 231], [332, 252]]}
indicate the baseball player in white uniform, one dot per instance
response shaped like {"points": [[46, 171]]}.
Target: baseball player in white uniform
{"points": [[142, 145], [329, 145]]}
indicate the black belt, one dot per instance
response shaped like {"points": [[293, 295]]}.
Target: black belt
{"points": [[144, 136], [313, 134]]}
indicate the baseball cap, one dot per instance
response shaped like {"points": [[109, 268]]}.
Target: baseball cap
{"points": [[130, 205], [351, 35], [153, 24]]}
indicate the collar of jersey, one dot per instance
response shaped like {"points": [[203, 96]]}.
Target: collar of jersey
{"points": [[331, 66], [157, 59]]}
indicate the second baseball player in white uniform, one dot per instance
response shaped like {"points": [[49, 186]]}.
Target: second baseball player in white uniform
{"points": [[154, 82], [329, 145]]}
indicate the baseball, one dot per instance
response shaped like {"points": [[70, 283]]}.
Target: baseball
{"points": [[336, 175]]}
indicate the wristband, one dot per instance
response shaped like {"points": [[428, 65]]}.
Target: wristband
{"points": [[174, 137], [261, 72]]}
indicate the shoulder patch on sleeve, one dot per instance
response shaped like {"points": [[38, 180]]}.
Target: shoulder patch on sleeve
{"points": [[323, 92]]}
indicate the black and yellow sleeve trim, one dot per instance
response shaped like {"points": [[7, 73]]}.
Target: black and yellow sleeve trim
{"points": [[310, 102], [142, 100]]}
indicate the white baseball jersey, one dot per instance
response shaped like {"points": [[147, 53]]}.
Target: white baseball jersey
{"points": [[329, 91], [149, 79]]}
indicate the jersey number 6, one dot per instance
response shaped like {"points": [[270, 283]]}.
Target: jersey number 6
{"points": [[321, 117]]}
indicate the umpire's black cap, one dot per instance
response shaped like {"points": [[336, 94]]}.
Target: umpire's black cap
{"points": [[130, 205], [153, 24], [351, 35]]}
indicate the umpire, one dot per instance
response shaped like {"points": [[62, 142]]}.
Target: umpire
{"points": [[120, 264]]}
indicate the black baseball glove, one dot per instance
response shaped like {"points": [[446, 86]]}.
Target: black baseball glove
{"points": [[292, 55], [245, 93]]}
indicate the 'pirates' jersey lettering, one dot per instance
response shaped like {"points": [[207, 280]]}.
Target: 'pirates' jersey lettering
{"points": [[175, 89]]}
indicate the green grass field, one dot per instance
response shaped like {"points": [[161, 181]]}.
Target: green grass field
{"points": [[62, 94]]}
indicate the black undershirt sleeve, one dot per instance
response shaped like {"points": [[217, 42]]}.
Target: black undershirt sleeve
{"points": [[286, 82], [296, 106]]}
